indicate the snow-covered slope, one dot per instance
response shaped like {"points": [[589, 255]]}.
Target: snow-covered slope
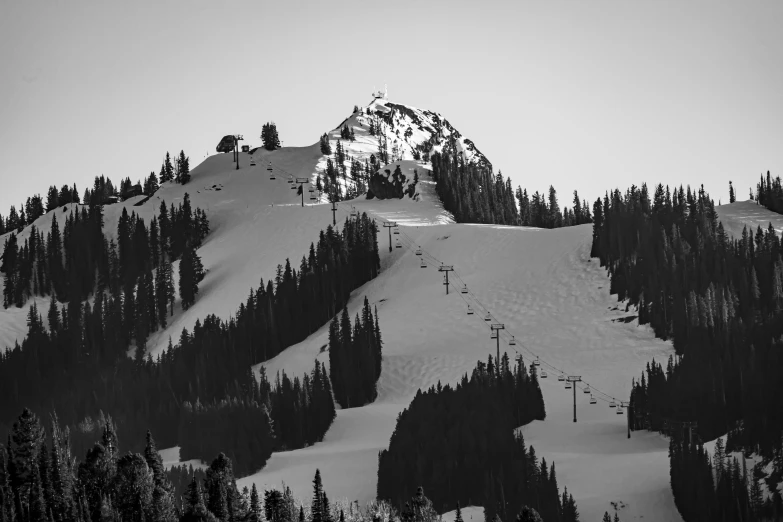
{"points": [[255, 224], [540, 283], [735, 216]]}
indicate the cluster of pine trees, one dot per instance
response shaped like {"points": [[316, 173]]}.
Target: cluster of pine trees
{"points": [[34, 208], [102, 190], [347, 133], [769, 193], [79, 368], [355, 357], [719, 299], [459, 443], [472, 193], [720, 488], [180, 477], [292, 414], [41, 481], [326, 147], [536, 211], [78, 262], [269, 138]]}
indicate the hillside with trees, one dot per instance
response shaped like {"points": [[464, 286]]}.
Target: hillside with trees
{"points": [[769, 193], [473, 194], [719, 299], [42, 479], [459, 444], [80, 368]]}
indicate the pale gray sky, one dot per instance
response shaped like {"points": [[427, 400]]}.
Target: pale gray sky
{"points": [[583, 95]]}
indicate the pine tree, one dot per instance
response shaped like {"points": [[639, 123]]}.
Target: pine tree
{"points": [[316, 508], [255, 504], [183, 168], [190, 273], [732, 197], [529, 514], [168, 169]]}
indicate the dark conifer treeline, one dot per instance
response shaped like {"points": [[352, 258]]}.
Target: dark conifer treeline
{"points": [[459, 444], [720, 488], [538, 211], [80, 368], [77, 261], [719, 299], [180, 477], [355, 357], [41, 480], [290, 415], [769, 193], [474, 195], [103, 189]]}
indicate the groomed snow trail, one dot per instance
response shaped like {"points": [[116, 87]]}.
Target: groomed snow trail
{"points": [[543, 287]]}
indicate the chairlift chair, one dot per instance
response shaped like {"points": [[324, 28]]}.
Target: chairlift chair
{"points": [[587, 389], [418, 251], [396, 232], [398, 244], [512, 342], [353, 212], [313, 198], [561, 377], [494, 334], [311, 190], [619, 410], [423, 264], [537, 362], [470, 310], [543, 375], [487, 317], [464, 289], [612, 404], [252, 163], [568, 385], [290, 178], [592, 400], [271, 171]]}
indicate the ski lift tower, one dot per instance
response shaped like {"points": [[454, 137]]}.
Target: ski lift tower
{"points": [[300, 190], [237, 139], [390, 225], [494, 327], [574, 379]]}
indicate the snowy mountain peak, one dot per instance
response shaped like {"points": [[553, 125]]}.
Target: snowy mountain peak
{"points": [[386, 135]]}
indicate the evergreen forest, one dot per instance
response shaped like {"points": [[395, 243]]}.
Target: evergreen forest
{"points": [[719, 300], [459, 444], [79, 367]]}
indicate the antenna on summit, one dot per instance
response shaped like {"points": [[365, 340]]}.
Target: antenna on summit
{"points": [[380, 94]]}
